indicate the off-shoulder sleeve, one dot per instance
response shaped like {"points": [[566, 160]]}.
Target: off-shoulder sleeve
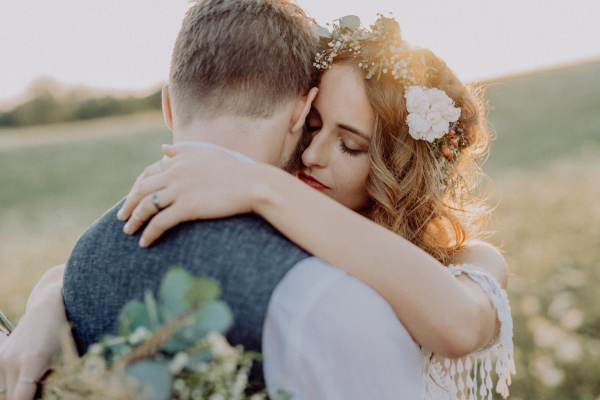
{"points": [[501, 346]]}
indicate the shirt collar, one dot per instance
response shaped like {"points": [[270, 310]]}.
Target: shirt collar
{"points": [[232, 153]]}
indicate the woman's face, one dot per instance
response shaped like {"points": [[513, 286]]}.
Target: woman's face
{"points": [[342, 123]]}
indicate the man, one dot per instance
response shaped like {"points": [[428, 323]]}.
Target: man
{"points": [[240, 79]]}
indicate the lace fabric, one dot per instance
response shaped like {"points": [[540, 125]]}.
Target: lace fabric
{"points": [[446, 382]]}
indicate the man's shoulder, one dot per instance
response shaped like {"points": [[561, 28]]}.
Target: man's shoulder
{"points": [[250, 228], [329, 335], [314, 284]]}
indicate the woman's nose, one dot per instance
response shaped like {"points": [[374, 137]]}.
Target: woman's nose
{"points": [[315, 153]]}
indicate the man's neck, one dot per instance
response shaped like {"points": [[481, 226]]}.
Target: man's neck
{"points": [[261, 139]]}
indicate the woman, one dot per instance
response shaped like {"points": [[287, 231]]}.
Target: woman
{"points": [[418, 189], [383, 174]]}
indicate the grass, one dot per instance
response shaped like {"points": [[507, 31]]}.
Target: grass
{"points": [[51, 193], [545, 162], [544, 116]]}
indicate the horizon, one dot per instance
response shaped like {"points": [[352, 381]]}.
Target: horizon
{"points": [[125, 48]]}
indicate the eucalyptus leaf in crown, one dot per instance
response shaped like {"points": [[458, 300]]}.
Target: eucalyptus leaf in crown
{"points": [[379, 50]]}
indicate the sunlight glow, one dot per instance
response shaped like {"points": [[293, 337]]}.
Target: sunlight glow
{"points": [[127, 45]]}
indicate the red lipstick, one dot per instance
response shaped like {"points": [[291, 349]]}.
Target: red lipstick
{"points": [[312, 182]]}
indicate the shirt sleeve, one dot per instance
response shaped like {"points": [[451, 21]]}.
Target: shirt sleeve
{"points": [[329, 336]]}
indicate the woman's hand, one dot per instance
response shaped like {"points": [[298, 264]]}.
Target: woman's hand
{"points": [[26, 355], [195, 183]]}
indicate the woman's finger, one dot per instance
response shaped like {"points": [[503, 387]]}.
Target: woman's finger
{"points": [[172, 151], [146, 209], [27, 384], [158, 167], [140, 190], [3, 386], [163, 221], [11, 382]]}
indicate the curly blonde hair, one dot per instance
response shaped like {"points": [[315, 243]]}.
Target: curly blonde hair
{"points": [[405, 193]]}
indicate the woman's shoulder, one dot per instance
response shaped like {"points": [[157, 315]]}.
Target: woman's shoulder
{"points": [[486, 257]]}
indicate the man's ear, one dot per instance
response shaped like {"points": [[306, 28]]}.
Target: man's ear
{"points": [[302, 109], [166, 106]]}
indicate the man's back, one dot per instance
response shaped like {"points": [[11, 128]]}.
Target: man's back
{"points": [[107, 268], [325, 335]]}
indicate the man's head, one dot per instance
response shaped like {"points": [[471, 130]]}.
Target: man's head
{"points": [[245, 58]]}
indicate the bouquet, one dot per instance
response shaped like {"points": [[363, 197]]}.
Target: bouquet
{"points": [[172, 347]]}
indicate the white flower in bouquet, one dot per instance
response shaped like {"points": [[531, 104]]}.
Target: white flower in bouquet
{"points": [[430, 113]]}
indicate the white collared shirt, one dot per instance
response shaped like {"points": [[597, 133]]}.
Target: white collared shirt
{"points": [[329, 336], [207, 145]]}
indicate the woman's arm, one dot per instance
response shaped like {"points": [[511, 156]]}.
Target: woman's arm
{"points": [[450, 316], [28, 351]]}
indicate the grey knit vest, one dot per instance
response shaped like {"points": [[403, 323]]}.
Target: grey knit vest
{"points": [[107, 268]]}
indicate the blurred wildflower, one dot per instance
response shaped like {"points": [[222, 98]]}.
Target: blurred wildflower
{"points": [[530, 305], [568, 350], [572, 319], [545, 370], [561, 303]]}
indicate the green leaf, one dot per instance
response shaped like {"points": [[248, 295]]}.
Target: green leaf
{"points": [[172, 290], [154, 377], [214, 316], [371, 72], [202, 291], [152, 309], [133, 315], [350, 22], [323, 32], [282, 395]]}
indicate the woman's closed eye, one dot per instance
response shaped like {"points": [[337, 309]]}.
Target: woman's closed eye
{"points": [[350, 151]]}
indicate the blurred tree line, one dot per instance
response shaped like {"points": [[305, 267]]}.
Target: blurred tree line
{"points": [[47, 105]]}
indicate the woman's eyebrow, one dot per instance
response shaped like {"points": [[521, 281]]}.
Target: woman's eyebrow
{"points": [[355, 131], [344, 126]]}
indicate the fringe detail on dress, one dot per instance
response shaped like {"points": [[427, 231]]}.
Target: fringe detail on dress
{"points": [[479, 362]]}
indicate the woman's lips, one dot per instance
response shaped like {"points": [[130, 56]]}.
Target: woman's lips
{"points": [[312, 182]]}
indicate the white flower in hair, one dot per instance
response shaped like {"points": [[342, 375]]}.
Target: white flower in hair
{"points": [[430, 113]]}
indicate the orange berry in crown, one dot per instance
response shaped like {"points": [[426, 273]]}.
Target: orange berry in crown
{"points": [[447, 152], [451, 132], [453, 142]]}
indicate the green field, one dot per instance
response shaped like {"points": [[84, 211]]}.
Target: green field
{"points": [[55, 181]]}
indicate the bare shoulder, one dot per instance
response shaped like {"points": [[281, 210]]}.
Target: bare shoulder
{"points": [[485, 256]]}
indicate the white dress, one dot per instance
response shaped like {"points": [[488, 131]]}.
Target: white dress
{"points": [[445, 381]]}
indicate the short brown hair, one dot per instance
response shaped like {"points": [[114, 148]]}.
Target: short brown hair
{"points": [[241, 57]]}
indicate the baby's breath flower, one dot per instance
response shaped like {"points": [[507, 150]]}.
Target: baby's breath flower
{"points": [[95, 349], [138, 335], [179, 362]]}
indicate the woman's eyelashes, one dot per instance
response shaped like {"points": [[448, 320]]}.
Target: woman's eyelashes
{"points": [[348, 150]]}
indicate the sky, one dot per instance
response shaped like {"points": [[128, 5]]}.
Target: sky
{"points": [[127, 44]]}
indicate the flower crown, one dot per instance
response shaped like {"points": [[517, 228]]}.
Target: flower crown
{"points": [[432, 116]]}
